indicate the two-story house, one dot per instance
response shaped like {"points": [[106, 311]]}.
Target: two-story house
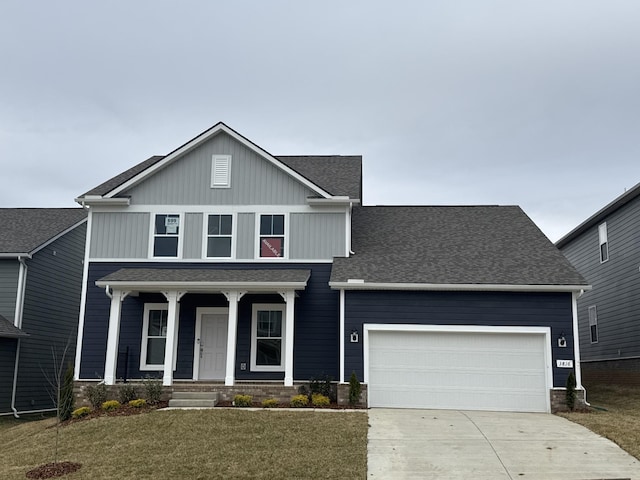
{"points": [[222, 263], [605, 249], [41, 255]]}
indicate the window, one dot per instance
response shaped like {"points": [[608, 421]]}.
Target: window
{"points": [[219, 228], [221, 171], [604, 243], [154, 336], [271, 236], [267, 337], [166, 233], [593, 324]]}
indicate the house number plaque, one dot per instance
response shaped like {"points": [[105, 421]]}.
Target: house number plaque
{"points": [[564, 363]]}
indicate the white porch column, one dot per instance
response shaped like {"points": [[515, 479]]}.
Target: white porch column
{"points": [[290, 298], [173, 297], [113, 335], [232, 330]]}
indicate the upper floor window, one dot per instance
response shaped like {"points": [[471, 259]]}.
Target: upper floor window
{"points": [[221, 171], [604, 242], [166, 235], [271, 236], [219, 236], [593, 324]]}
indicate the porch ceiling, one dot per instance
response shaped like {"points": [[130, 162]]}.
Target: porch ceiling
{"points": [[205, 280]]}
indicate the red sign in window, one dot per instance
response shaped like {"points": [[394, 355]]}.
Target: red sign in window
{"points": [[270, 247]]}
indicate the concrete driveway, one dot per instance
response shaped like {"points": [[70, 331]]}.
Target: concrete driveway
{"points": [[439, 444]]}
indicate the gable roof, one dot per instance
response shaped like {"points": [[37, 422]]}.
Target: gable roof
{"points": [[327, 175], [600, 215], [8, 330], [483, 246], [25, 229]]}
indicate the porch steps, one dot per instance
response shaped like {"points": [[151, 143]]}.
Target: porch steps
{"points": [[193, 399]]}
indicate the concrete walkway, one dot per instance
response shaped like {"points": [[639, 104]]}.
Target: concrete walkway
{"points": [[450, 444]]}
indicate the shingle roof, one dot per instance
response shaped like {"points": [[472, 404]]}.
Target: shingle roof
{"points": [[25, 229], [8, 330], [337, 174], [451, 245], [211, 275], [121, 178]]}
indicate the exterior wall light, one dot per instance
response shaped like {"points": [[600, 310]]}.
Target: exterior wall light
{"points": [[562, 341], [354, 336]]}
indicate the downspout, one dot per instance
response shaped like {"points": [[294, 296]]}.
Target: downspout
{"points": [[576, 343], [22, 281]]}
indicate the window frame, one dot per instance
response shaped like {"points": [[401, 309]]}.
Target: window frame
{"points": [[603, 240], [260, 236], [205, 243], [144, 366], [593, 324], [271, 307], [154, 235], [214, 162]]}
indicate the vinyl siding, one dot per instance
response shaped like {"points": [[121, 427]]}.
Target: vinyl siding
{"points": [[51, 308], [459, 308], [254, 181], [193, 235], [245, 247], [120, 235], [317, 236], [7, 361], [316, 330], [616, 285], [9, 272]]}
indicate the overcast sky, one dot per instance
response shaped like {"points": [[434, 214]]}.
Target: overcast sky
{"points": [[449, 102]]}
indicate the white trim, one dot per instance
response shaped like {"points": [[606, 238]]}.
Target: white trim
{"points": [[546, 331], [337, 200], [576, 342], [342, 311], [347, 233], [20, 292], [204, 287], [258, 236], [272, 307], [224, 161], [145, 328], [152, 236], [359, 284], [206, 135], [83, 296], [200, 311], [205, 231], [94, 200], [218, 208]]}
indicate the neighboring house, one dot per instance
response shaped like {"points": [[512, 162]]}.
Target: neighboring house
{"points": [[220, 262], [41, 255], [605, 249]]}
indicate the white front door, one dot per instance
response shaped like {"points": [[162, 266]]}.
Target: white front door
{"points": [[211, 344]]}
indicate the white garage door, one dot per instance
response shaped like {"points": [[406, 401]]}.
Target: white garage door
{"points": [[458, 370]]}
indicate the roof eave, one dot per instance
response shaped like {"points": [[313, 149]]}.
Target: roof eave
{"points": [[141, 286], [356, 284], [99, 200], [15, 255], [333, 201]]}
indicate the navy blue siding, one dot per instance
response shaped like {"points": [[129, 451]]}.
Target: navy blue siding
{"points": [[7, 362], [316, 346], [460, 308]]}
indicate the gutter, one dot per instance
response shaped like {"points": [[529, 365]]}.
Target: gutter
{"points": [[22, 283]]}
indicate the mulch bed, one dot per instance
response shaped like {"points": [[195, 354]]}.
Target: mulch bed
{"points": [[123, 411], [52, 470]]}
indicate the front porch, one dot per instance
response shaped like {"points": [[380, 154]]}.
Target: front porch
{"points": [[212, 325]]}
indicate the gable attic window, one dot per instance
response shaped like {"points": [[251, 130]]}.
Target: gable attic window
{"points": [[221, 171], [271, 244], [593, 324], [166, 235], [604, 242]]}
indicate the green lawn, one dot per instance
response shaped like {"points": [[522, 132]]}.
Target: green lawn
{"points": [[615, 414], [194, 444]]}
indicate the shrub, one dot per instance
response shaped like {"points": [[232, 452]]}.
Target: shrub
{"points": [[571, 391], [354, 389], [153, 389], [242, 400], [80, 412], [127, 393], [269, 403], [322, 385], [97, 394], [299, 401], [65, 408], [138, 402], [110, 405], [320, 400]]}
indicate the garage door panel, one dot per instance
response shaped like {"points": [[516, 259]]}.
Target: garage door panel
{"points": [[461, 370]]}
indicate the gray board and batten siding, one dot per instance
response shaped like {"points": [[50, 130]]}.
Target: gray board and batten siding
{"points": [[50, 316], [187, 181], [616, 285], [124, 235]]}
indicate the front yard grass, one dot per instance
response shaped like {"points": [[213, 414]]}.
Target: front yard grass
{"points": [[621, 420], [194, 444]]}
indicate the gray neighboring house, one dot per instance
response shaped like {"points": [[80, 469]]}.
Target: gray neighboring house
{"points": [[605, 249], [41, 258]]}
